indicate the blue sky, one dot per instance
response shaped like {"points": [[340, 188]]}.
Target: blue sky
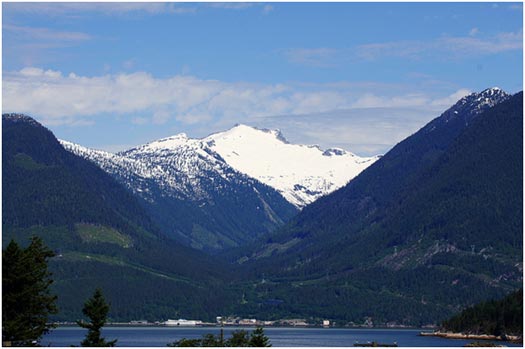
{"points": [[361, 76]]}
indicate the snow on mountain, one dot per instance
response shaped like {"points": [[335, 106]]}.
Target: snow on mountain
{"points": [[473, 104], [134, 174], [178, 165], [300, 173], [192, 193]]}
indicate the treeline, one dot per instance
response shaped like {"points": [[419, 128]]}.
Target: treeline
{"points": [[495, 317], [29, 303], [239, 338]]}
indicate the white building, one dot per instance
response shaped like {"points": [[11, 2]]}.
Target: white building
{"points": [[182, 322]]}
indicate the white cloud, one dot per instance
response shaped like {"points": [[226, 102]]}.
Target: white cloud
{"points": [[473, 32], [364, 131], [450, 100], [50, 93], [363, 117]]}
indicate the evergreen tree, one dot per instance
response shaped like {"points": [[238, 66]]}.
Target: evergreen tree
{"points": [[239, 338], [494, 317], [259, 339], [96, 309], [27, 301]]}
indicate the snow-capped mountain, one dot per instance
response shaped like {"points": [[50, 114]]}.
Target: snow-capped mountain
{"points": [[212, 192], [192, 193], [301, 173], [471, 105]]}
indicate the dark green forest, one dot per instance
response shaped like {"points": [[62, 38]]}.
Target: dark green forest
{"points": [[495, 317], [101, 235], [425, 227]]}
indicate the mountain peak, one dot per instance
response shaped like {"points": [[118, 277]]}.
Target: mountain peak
{"points": [[492, 90], [475, 103], [17, 117], [301, 173], [168, 142], [240, 130], [484, 99], [334, 152]]}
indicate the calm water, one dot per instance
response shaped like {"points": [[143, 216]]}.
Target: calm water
{"points": [[279, 337]]}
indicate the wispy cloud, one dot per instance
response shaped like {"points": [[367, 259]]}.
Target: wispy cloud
{"points": [[443, 48], [365, 131], [38, 45], [317, 57], [237, 6], [107, 8], [188, 99], [367, 117], [62, 98], [452, 47], [35, 33], [76, 9], [267, 9], [232, 5], [473, 32]]}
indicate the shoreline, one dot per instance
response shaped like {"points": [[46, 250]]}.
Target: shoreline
{"points": [[453, 335], [212, 324]]}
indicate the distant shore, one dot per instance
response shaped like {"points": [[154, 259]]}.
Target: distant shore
{"points": [[452, 335]]}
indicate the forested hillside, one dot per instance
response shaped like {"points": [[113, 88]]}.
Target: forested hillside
{"points": [[192, 194], [101, 235], [434, 225], [493, 317]]}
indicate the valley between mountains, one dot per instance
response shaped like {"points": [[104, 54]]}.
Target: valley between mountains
{"points": [[237, 185], [244, 223]]}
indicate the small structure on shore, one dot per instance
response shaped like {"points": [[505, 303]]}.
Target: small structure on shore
{"points": [[375, 344], [182, 322]]}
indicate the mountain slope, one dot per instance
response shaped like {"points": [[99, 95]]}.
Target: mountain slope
{"points": [[227, 189], [192, 194], [102, 235], [436, 218]]}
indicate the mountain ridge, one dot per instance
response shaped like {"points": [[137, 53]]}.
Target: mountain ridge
{"points": [[416, 231], [195, 180], [313, 186], [193, 194], [99, 231]]}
